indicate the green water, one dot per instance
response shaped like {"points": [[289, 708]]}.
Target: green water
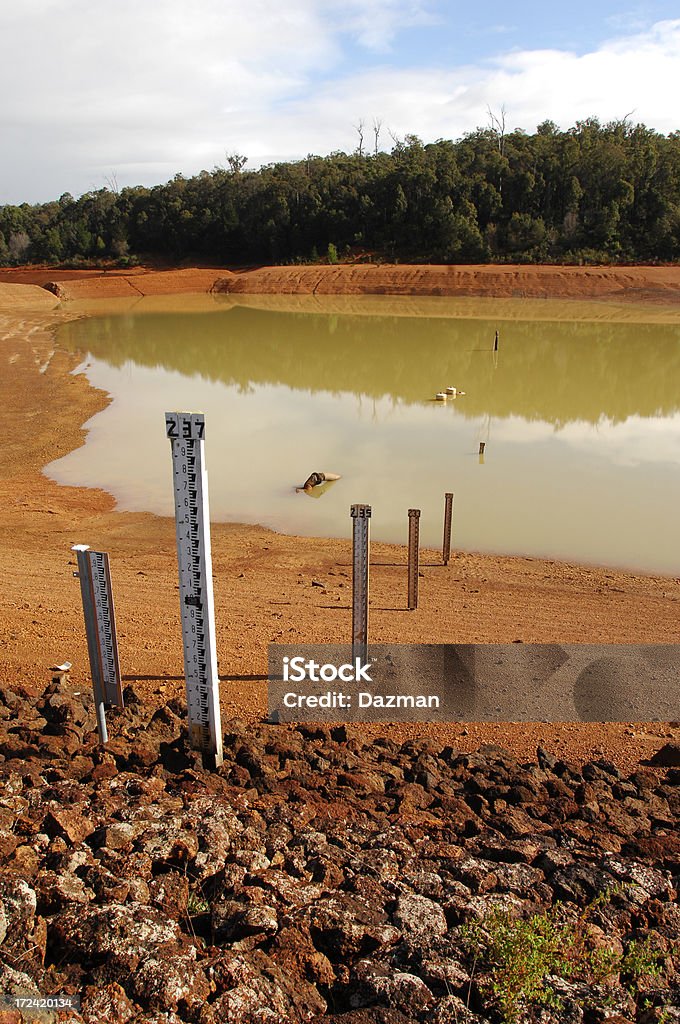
{"points": [[581, 423]]}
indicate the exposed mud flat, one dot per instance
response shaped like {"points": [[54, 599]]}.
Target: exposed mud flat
{"points": [[264, 581]]}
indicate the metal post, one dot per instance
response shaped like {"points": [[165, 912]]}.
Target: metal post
{"points": [[100, 629], [413, 556], [448, 514], [361, 515], [186, 432]]}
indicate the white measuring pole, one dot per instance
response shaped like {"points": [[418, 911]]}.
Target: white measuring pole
{"points": [[413, 556], [361, 516], [100, 629], [186, 432]]}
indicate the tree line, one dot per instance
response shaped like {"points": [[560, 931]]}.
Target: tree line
{"points": [[593, 193]]}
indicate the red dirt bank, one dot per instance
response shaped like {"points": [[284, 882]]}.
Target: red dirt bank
{"points": [[647, 284]]}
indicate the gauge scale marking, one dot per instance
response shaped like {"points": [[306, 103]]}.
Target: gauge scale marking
{"points": [[100, 628], [361, 517], [186, 432]]}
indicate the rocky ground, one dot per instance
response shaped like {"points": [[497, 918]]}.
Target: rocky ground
{"points": [[315, 877]]}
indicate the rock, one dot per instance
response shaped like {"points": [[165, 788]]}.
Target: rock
{"points": [[107, 1003], [69, 823], [419, 918], [667, 757], [345, 927], [293, 950], [174, 983], [170, 893], [15, 982], [106, 885], [119, 936], [520, 879], [25, 931], [25, 862], [256, 991], [120, 835], [314, 864], [57, 891], [233, 921], [452, 1010], [440, 971], [8, 844], [379, 983], [168, 844]]}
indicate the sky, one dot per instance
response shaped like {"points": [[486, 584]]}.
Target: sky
{"points": [[96, 95]]}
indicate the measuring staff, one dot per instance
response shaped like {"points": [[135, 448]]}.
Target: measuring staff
{"points": [[186, 432]]}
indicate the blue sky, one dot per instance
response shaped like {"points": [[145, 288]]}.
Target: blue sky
{"points": [[467, 33], [134, 92]]}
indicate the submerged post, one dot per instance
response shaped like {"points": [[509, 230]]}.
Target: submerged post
{"points": [[495, 342], [100, 629], [186, 432], [413, 556], [448, 514], [361, 515]]}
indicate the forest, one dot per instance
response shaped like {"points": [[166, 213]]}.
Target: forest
{"points": [[595, 193]]}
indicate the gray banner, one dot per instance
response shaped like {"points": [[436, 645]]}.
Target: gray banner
{"points": [[475, 683]]}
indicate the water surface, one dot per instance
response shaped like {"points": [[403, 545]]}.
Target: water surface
{"points": [[581, 423]]}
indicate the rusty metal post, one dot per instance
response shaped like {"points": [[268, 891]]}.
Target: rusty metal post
{"points": [[413, 556], [448, 515]]}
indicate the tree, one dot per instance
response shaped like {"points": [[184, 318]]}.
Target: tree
{"points": [[377, 128], [18, 246], [236, 162], [359, 129]]}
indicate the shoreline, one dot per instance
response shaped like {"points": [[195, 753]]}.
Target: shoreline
{"points": [[640, 284], [263, 580]]}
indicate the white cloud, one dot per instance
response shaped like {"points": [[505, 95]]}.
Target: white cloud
{"points": [[147, 89], [635, 441], [374, 23]]}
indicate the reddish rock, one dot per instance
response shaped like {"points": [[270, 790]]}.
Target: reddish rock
{"points": [[171, 983], [293, 950], [70, 823], [25, 862], [170, 893], [56, 891], [400, 990], [667, 757], [119, 936], [25, 931], [108, 1003], [251, 984], [345, 927], [418, 917]]}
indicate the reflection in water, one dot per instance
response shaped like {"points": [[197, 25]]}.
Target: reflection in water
{"points": [[552, 372], [580, 422]]}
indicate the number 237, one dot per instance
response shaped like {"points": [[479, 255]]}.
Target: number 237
{"points": [[185, 428]]}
